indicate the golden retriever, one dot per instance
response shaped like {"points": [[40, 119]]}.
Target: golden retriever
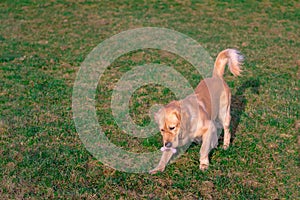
{"points": [[198, 116]]}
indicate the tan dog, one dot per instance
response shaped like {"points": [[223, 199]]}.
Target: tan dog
{"points": [[197, 117]]}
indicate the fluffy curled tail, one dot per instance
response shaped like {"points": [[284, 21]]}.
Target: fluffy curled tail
{"points": [[233, 58]]}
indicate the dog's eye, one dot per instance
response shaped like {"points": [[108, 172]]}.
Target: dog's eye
{"points": [[162, 130], [172, 128]]}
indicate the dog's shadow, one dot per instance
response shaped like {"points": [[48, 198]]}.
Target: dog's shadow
{"points": [[239, 102]]}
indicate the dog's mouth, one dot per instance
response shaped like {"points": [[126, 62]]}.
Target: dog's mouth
{"points": [[168, 149]]}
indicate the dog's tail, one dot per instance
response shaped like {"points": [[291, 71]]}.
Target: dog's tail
{"points": [[233, 58]]}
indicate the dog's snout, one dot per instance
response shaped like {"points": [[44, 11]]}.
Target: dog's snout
{"points": [[168, 144]]}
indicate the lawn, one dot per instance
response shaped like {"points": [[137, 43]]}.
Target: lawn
{"points": [[43, 45]]}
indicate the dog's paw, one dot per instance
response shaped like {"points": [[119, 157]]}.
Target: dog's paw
{"points": [[153, 171], [157, 169], [203, 167], [225, 147]]}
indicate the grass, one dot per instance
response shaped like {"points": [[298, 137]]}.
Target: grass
{"points": [[43, 44]]}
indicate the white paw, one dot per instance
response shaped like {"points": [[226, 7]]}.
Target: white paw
{"points": [[225, 146], [203, 167], [157, 169]]}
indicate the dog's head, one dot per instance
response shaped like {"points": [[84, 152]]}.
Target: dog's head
{"points": [[168, 119]]}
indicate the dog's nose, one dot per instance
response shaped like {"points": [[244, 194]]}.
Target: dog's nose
{"points": [[168, 144]]}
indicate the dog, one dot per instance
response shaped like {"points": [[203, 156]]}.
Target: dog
{"points": [[198, 117]]}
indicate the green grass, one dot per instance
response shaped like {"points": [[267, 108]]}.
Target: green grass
{"points": [[43, 44]]}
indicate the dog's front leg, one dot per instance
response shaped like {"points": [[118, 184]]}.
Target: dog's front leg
{"points": [[209, 141], [166, 156]]}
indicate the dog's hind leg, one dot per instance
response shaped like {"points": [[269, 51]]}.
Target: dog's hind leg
{"points": [[227, 134], [209, 141], [224, 117]]}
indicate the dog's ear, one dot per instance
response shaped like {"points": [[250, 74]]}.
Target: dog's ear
{"points": [[184, 120], [178, 115]]}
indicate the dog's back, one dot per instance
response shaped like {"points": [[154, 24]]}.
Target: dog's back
{"points": [[213, 92], [209, 91]]}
